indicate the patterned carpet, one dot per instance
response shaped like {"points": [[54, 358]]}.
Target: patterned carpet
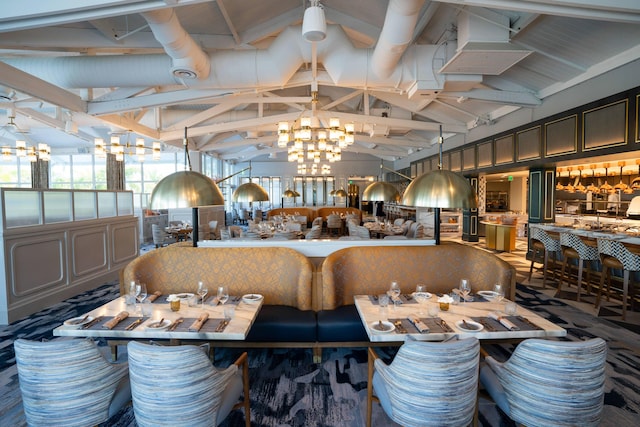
{"points": [[288, 389]]}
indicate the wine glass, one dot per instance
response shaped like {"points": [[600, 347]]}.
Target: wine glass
{"points": [[499, 290], [134, 290], [202, 291], [141, 292], [421, 296], [223, 294], [465, 289], [394, 293]]}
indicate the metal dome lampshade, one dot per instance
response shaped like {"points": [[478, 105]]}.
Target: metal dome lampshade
{"points": [[440, 189], [185, 189], [250, 192], [290, 193], [381, 192]]}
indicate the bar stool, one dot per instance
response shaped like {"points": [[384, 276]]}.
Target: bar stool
{"points": [[615, 255], [574, 248], [543, 243]]}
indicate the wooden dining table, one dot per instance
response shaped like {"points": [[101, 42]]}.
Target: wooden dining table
{"points": [[447, 324]]}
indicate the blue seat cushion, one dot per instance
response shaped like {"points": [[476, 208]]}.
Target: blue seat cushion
{"points": [[341, 324], [281, 323]]}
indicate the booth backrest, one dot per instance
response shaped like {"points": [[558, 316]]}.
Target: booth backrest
{"points": [[326, 211], [370, 270], [309, 213], [283, 275]]}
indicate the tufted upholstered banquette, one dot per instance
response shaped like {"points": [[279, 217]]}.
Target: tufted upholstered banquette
{"points": [[369, 271], [282, 275]]}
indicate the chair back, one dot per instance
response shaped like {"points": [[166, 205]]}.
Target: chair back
{"points": [[398, 222], [317, 221], [314, 233], [334, 221], [550, 244], [555, 382], [432, 383], [213, 230], [586, 252], [618, 250], [175, 385], [66, 382]]}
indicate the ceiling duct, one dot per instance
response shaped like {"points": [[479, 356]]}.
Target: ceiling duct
{"points": [[189, 61], [483, 45]]}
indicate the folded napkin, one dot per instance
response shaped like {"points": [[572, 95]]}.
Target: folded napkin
{"points": [[117, 319], [154, 296], [420, 326], [467, 298], [197, 324], [504, 321]]}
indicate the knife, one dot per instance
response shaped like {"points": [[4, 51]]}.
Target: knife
{"points": [[444, 326], [486, 325], [134, 324], [222, 325], [93, 322], [175, 324]]}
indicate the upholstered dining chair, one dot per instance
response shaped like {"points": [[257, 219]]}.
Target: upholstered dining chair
{"points": [[68, 382], [427, 383], [161, 237], [334, 224], [179, 386], [549, 383]]}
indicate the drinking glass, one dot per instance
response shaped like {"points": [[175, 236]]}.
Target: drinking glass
{"points": [[134, 290], [465, 289], [394, 293], [421, 296], [141, 293], [202, 291], [499, 290], [223, 294]]}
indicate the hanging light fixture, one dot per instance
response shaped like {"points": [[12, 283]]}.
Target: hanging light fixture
{"points": [[635, 184], [381, 191], [440, 189], [579, 187], [30, 152], [593, 188], [314, 25], [250, 192], [559, 185], [621, 185], [606, 188], [117, 148], [185, 189]]}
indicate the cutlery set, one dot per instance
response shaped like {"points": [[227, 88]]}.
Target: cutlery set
{"points": [[93, 322], [134, 324]]}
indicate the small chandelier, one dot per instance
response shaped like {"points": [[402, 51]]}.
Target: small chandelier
{"points": [[32, 153], [314, 169], [118, 149], [311, 142]]}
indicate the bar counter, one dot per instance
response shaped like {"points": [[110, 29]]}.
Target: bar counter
{"points": [[631, 238]]}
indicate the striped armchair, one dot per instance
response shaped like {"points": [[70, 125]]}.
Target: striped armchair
{"points": [[428, 384], [550, 383], [69, 383], [178, 386]]}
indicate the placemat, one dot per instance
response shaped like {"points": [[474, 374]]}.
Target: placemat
{"points": [[494, 325], [404, 299], [435, 324], [209, 326], [121, 326]]}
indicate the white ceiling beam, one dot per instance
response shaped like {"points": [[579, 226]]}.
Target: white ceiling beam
{"points": [[396, 123], [272, 26], [625, 11], [30, 85], [128, 124], [342, 99], [28, 14], [227, 19], [372, 32], [231, 126], [523, 99]]}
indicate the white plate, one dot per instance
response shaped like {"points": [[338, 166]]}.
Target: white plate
{"points": [[488, 294], [251, 298], [77, 321], [471, 326], [385, 328], [156, 325], [184, 296], [427, 294]]}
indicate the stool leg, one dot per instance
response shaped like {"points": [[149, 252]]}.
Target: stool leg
{"points": [[604, 272], [579, 279], [625, 290], [564, 264], [544, 269]]}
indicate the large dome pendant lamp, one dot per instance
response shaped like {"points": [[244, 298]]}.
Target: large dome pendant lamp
{"points": [[440, 189]]}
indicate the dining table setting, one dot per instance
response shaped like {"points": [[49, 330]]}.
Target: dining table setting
{"points": [[381, 229], [159, 317], [483, 315]]}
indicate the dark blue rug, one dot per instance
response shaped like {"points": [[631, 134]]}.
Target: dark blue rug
{"points": [[288, 389]]}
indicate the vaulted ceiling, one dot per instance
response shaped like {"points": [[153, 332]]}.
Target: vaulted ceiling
{"points": [[230, 70]]}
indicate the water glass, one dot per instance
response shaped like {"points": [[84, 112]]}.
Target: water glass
{"points": [[146, 308], [510, 308], [229, 312], [433, 310], [499, 290], [383, 304]]}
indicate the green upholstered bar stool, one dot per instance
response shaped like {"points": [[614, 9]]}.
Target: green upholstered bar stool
{"points": [[615, 255], [545, 245], [573, 247]]}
